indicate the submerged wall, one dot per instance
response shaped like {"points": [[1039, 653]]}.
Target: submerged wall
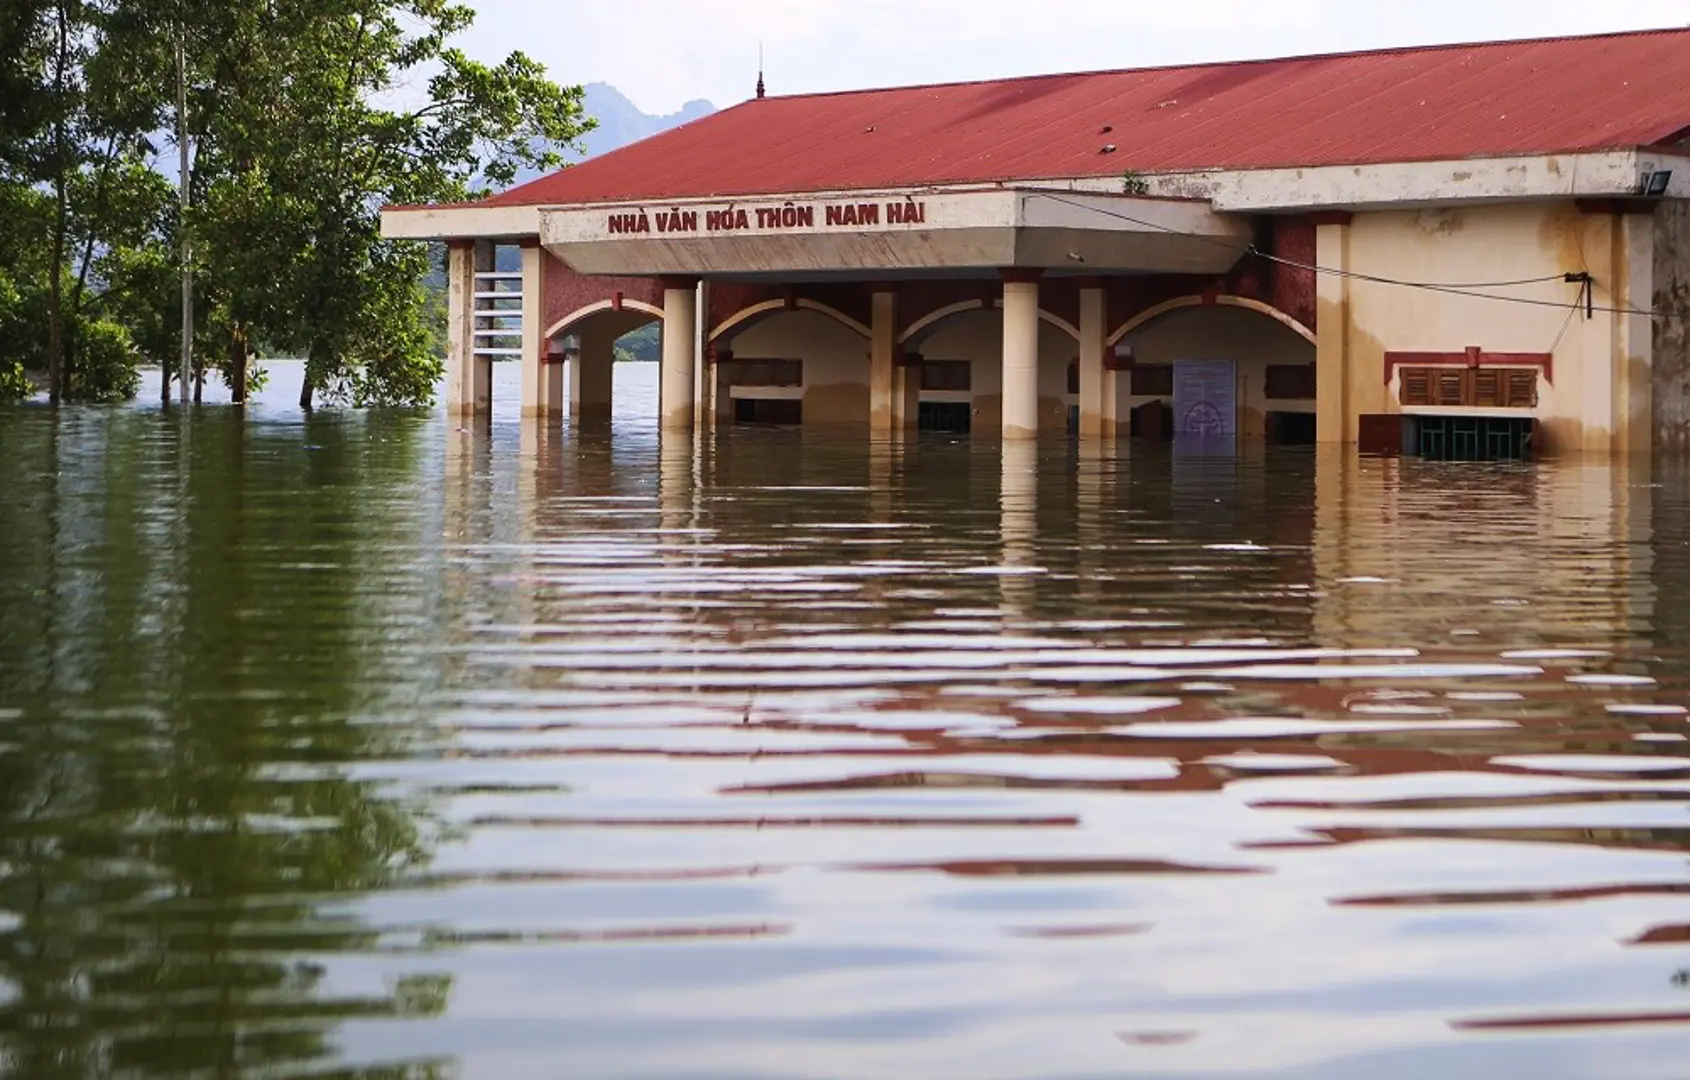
{"points": [[1670, 369], [1251, 340], [1504, 267], [836, 369], [977, 337]]}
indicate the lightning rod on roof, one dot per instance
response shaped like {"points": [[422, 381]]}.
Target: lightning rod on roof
{"points": [[759, 71]]}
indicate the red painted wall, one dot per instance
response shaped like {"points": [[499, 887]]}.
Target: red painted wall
{"points": [[565, 291]]}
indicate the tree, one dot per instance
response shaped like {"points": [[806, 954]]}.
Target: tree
{"points": [[76, 190], [300, 136], [302, 175]]}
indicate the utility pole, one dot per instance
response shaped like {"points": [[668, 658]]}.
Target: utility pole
{"points": [[182, 187]]}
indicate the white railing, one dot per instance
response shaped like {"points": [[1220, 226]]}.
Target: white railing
{"points": [[496, 327]]}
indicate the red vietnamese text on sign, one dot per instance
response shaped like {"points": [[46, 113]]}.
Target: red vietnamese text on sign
{"points": [[790, 217]]}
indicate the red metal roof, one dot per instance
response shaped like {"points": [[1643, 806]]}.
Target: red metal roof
{"points": [[1445, 102]]}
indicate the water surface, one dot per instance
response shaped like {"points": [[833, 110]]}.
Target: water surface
{"points": [[365, 746]]}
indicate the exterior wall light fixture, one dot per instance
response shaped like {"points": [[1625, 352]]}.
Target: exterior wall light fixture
{"points": [[1654, 184]]}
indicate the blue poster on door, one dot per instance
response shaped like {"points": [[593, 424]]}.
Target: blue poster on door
{"points": [[1205, 409], [1205, 398]]}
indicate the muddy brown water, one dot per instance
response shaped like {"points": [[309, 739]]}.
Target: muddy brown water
{"points": [[361, 747]]}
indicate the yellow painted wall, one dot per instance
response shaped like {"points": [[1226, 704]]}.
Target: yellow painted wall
{"points": [[977, 336], [836, 366], [1476, 246]]}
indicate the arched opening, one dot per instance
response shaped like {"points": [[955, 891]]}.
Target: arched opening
{"points": [[961, 351], [591, 341], [787, 365], [1188, 342]]}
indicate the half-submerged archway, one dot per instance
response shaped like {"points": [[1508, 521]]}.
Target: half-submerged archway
{"points": [[585, 341], [1273, 355], [790, 361], [960, 349]]}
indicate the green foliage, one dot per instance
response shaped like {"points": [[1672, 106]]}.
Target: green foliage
{"points": [[298, 144], [14, 384], [1134, 184], [105, 370], [643, 344]]}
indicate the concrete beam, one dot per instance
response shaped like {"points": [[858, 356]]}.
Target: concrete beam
{"points": [[467, 221], [888, 232]]}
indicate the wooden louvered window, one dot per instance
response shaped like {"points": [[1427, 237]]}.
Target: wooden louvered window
{"points": [[1449, 386], [1519, 389], [1488, 388], [1416, 386]]}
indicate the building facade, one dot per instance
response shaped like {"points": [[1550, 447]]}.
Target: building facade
{"points": [[1476, 250]]}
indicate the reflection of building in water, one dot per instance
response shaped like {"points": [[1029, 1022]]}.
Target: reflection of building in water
{"points": [[855, 259], [1564, 550], [1018, 527]]}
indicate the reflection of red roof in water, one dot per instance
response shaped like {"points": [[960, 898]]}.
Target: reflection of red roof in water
{"points": [[1416, 104]]}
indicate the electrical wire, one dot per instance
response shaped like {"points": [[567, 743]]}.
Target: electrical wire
{"points": [[1565, 326], [1451, 289]]}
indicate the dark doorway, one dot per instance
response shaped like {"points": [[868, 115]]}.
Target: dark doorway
{"points": [[785, 411], [1290, 428], [1470, 438], [949, 417], [1153, 420]]}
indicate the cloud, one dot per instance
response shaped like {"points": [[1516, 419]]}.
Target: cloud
{"points": [[662, 53]]}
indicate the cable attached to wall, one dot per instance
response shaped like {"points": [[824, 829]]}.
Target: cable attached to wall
{"points": [[1586, 301]]}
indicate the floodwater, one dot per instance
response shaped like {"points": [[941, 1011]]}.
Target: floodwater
{"points": [[356, 747]]}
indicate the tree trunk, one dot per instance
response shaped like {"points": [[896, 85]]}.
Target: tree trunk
{"points": [[164, 382], [199, 380], [238, 356], [306, 390], [56, 376], [55, 303]]}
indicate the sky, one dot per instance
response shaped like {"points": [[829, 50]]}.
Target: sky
{"points": [[663, 53]]}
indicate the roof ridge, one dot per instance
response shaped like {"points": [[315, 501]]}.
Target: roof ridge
{"points": [[1390, 50]]}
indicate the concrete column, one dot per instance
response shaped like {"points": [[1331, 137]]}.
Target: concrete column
{"points": [[1598, 399], [469, 380], [1096, 416], [590, 373], [542, 381], [1117, 393], [906, 394], [883, 364], [1335, 419], [721, 399], [1020, 355], [1634, 289], [680, 321], [705, 376]]}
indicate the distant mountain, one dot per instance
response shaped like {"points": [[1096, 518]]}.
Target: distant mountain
{"points": [[621, 122]]}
